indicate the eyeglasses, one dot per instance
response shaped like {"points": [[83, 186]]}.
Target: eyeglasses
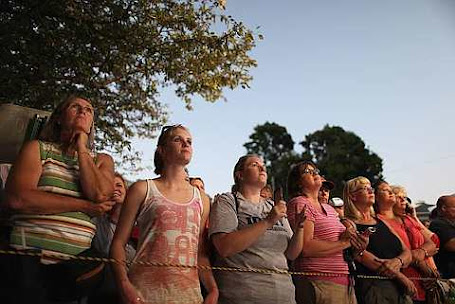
{"points": [[80, 108], [365, 188], [311, 171]]}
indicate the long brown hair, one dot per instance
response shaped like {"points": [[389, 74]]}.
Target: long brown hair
{"points": [[294, 176], [166, 133]]}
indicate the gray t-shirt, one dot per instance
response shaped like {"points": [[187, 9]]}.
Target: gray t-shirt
{"points": [[267, 252], [103, 238]]}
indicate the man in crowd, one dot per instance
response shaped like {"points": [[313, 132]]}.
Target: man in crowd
{"points": [[444, 227]]}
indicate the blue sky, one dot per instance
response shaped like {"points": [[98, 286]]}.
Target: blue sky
{"points": [[382, 69]]}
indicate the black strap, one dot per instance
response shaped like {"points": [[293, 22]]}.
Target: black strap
{"points": [[236, 200]]}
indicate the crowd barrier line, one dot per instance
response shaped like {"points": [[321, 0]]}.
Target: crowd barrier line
{"points": [[199, 267]]}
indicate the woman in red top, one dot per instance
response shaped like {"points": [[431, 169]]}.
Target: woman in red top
{"points": [[391, 209]]}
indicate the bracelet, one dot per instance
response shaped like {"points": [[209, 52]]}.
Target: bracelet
{"points": [[401, 261], [426, 252]]}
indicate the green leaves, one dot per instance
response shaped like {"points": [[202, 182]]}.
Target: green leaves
{"points": [[121, 53], [339, 154]]}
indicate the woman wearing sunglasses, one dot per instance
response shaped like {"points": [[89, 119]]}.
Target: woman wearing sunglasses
{"points": [[250, 231], [385, 254], [171, 216], [324, 239]]}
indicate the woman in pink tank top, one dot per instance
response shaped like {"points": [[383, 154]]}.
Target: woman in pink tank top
{"points": [[171, 216]]}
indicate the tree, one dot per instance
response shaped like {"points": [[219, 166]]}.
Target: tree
{"points": [[341, 155], [275, 145], [121, 53]]}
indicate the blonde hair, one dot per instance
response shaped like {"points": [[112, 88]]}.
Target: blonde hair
{"points": [[399, 190], [350, 209]]}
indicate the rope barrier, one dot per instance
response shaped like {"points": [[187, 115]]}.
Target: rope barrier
{"points": [[198, 267]]}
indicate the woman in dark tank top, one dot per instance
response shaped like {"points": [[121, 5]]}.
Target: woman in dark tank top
{"points": [[385, 254]]}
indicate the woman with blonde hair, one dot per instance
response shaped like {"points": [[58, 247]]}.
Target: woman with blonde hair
{"points": [[392, 205], [385, 254], [171, 216]]}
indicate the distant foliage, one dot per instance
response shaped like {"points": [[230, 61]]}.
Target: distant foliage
{"points": [[341, 155]]}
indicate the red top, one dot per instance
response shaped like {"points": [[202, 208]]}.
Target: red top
{"points": [[410, 233]]}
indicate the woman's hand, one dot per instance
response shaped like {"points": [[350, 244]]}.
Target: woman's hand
{"points": [[99, 209], [389, 267], [212, 297], [359, 241], [345, 237], [79, 139], [129, 294], [277, 213], [408, 285], [300, 218], [418, 255]]}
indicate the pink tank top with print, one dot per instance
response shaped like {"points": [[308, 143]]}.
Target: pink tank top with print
{"points": [[168, 233]]}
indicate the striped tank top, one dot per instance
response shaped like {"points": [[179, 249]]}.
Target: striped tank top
{"points": [[169, 233], [67, 233]]}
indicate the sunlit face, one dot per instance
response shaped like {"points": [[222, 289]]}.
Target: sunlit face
{"points": [[310, 178], [254, 172], [363, 194], [178, 147], [78, 115], [400, 205], [448, 209], [385, 195], [119, 190]]}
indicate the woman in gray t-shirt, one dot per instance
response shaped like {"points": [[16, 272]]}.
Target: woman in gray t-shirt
{"points": [[249, 231]]}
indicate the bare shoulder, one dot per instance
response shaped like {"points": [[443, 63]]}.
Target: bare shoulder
{"points": [[205, 200], [138, 190], [30, 147]]}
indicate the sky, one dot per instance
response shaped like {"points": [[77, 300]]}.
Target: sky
{"points": [[384, 70]]}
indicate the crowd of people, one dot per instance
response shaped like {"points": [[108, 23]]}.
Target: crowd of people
{"points": [[65, 200]]}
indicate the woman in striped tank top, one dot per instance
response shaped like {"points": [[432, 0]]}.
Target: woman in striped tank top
{"points": [[56, 186], [171, 215]]}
